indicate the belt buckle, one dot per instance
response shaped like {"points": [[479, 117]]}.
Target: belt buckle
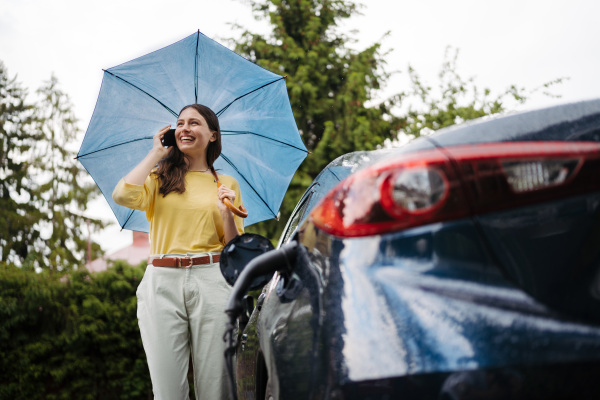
{"points": [[179, 265]]}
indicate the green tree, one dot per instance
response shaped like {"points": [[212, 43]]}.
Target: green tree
{"points": [[63, 188], [330, 85], [18, 215]]}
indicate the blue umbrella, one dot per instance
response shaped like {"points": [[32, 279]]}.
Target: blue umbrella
{"points": [[262, 147]]}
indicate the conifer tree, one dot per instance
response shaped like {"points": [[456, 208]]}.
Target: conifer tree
{"points": [[330, 85], [43, 190], [63, 187], [18, 215]]}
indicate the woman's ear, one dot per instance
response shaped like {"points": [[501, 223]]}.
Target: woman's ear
{"points": [[213, 137]]}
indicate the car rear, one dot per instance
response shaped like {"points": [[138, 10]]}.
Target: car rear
{"points": [[467, 262]]}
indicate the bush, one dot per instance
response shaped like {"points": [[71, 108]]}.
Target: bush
{"points": [[74, 337]]}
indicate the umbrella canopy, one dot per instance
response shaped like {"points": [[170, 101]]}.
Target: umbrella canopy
{"points": [[261, 145]]}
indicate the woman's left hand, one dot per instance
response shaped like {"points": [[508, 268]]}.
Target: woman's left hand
{"points": [[224, 192]]}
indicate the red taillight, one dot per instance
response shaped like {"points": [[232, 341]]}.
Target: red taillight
{"points": [[377, 199], [440, 185]]}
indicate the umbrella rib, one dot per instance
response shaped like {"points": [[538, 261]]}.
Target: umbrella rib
{"points": [[143, 91], [232, 133], [196, 69], [128, 218], [251, 187], [246, 94], [114, 145]]}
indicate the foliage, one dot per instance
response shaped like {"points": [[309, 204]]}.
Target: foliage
{"points": [[18, 216], [456, 99], [43, 190], [71, 338]]}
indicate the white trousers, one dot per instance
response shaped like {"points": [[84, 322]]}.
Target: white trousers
{"points": [[182, 310]]}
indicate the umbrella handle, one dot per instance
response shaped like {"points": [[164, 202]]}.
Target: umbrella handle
{"points": [[240, 212]]}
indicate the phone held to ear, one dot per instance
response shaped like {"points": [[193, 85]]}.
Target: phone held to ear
{"points": [[169, 138]]}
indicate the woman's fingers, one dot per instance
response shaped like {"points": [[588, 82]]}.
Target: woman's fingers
{"points": [[157, 141], [224, 192], [159, 135]]}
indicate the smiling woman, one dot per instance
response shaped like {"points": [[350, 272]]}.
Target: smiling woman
{"points": [[183, 289]]}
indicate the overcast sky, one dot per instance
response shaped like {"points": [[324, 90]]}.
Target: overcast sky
{"points": [[521, 42]]}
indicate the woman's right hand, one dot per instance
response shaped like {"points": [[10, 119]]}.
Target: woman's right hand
{"points": [[138, 175], [157, 146]]}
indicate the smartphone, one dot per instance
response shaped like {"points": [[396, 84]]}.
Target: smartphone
{"points": [[169, 138]]}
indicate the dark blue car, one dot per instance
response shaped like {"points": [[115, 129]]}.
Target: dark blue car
{"points": [[464, 265]]}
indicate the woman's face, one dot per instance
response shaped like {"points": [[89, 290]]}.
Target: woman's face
{"points": [[192, 133]]}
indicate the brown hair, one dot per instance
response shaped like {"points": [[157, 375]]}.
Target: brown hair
{"points": [[172, 169]]}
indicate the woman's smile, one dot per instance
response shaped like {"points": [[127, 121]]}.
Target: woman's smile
{"points": [[186, 138]]}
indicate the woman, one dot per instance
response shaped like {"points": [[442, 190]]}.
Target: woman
{"points": [[181, 306]]}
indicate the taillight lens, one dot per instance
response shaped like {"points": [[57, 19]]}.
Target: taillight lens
{"points": [[456, 182]]}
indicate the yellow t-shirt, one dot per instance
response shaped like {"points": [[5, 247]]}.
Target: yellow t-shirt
{"points": [[181, 223]]}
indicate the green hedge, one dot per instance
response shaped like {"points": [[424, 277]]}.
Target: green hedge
{"points": [[71, 338]]}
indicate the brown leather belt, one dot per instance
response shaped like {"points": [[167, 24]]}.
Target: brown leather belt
{"points": [[182, 262]]}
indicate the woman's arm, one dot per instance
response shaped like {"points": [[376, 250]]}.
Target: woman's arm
{"points": [[138, 175]]}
